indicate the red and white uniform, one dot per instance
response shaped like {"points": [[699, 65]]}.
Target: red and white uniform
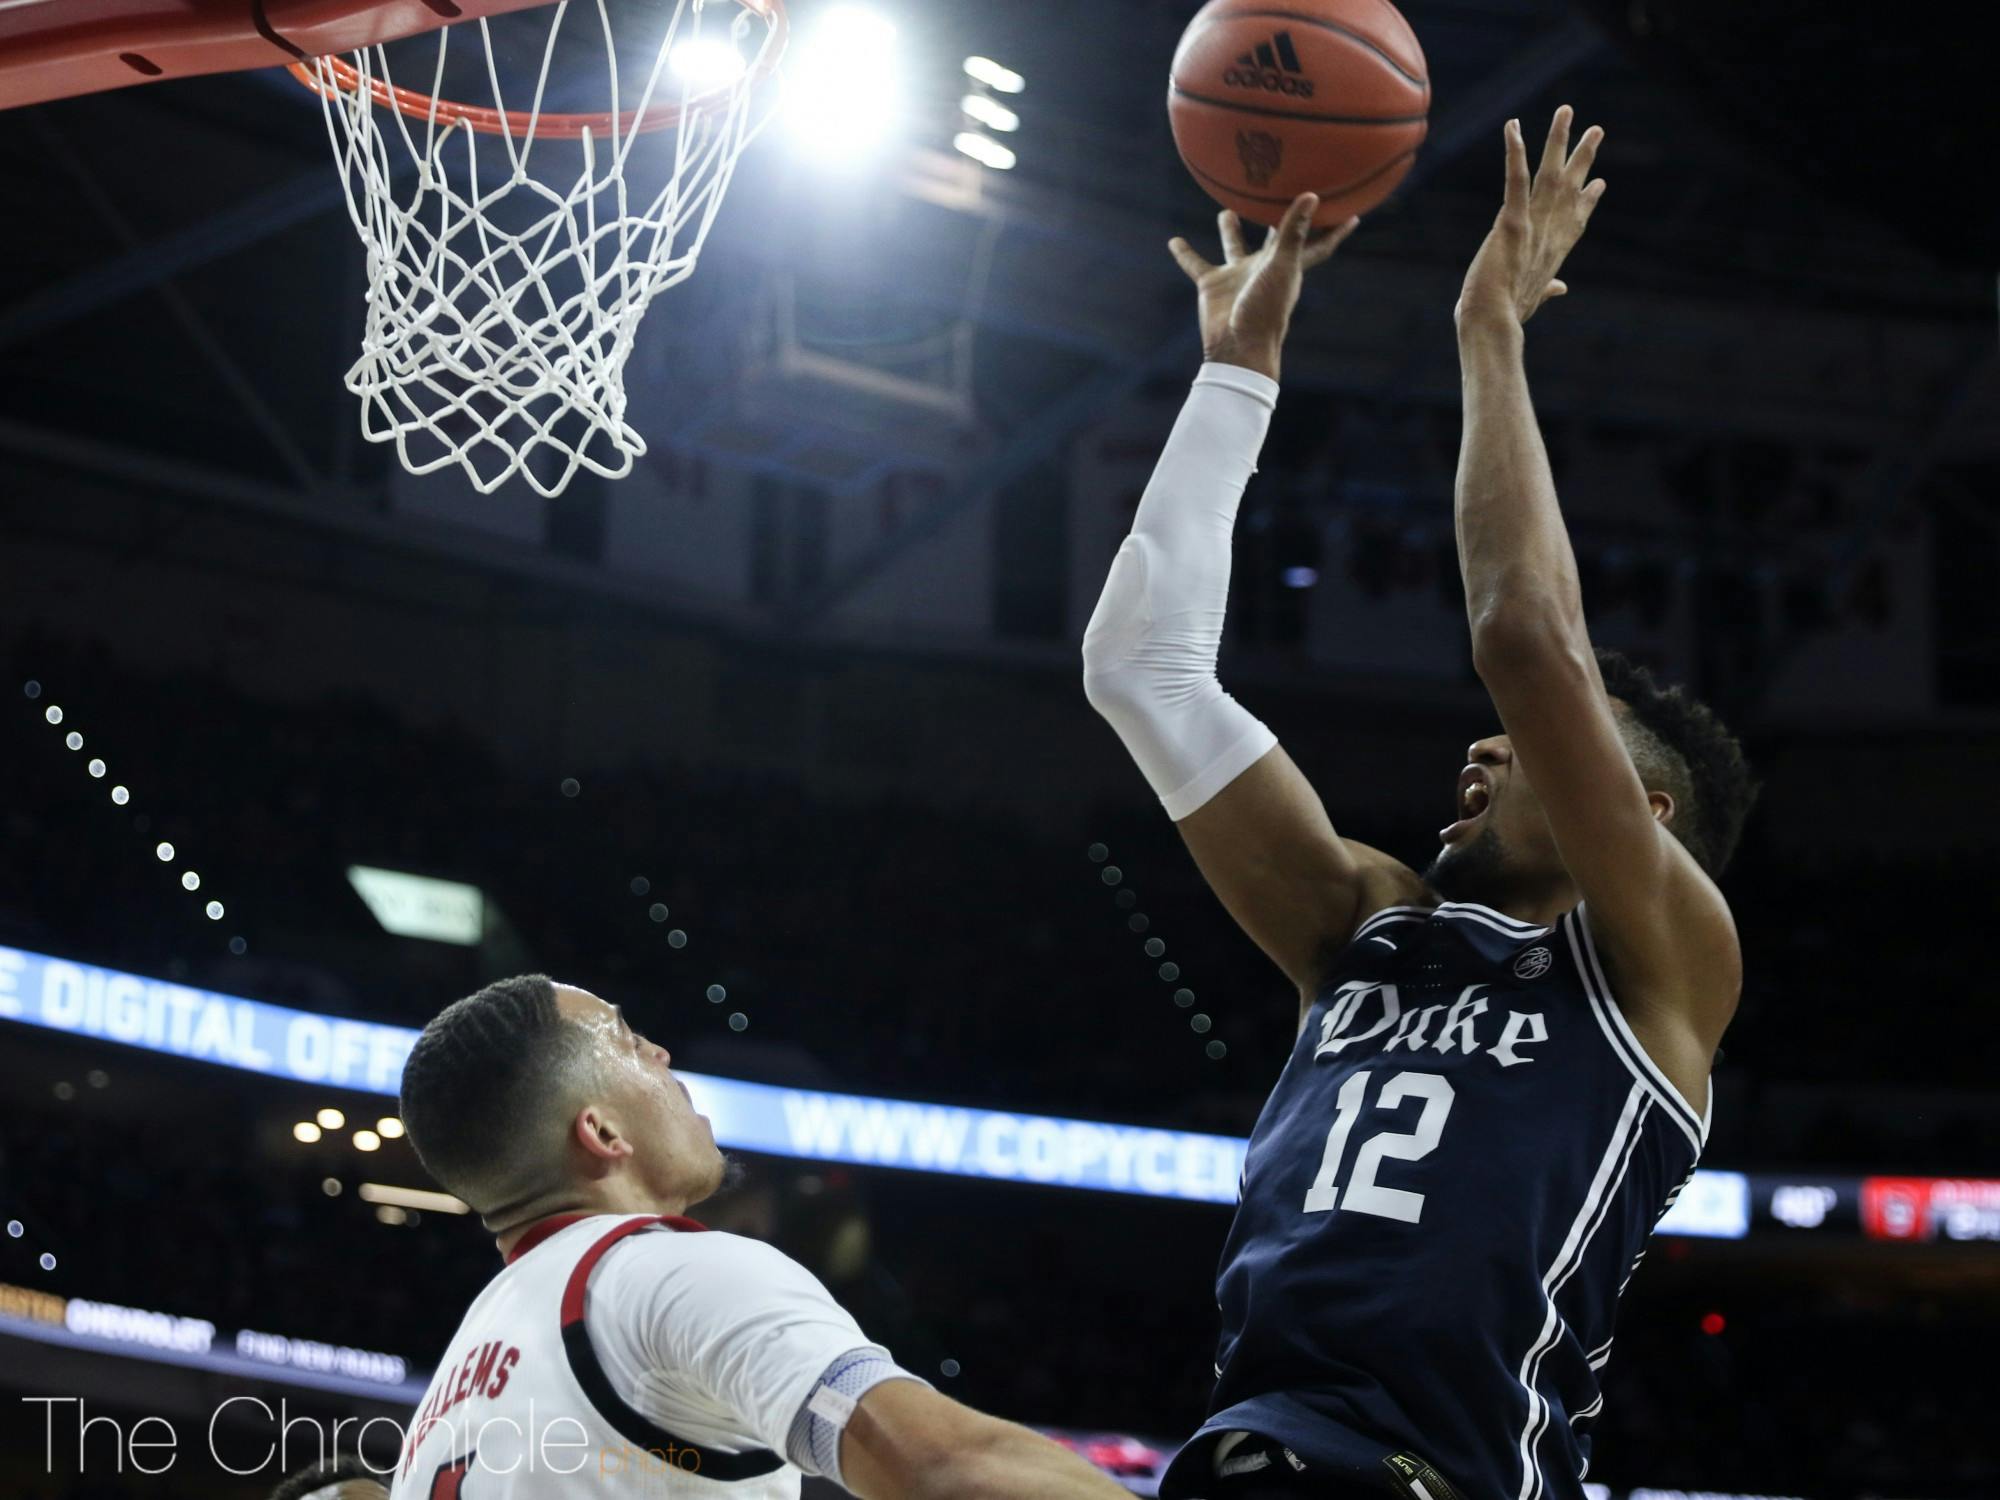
{"points": [[639, 1356]]}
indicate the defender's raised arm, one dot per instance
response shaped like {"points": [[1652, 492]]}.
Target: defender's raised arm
{"points": [[1254, 824]]}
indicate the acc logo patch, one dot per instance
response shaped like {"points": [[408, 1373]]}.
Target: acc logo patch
{"points": [[1533, 964]]}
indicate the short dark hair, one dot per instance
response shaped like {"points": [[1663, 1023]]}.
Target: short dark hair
{"points": [[346, 1469], [1680, 747], [483, 1087]]}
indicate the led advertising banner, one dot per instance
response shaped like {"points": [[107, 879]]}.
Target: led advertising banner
{"points": [[84, 1000], [106, 1005], [139, 1333], [1919, 1210]]}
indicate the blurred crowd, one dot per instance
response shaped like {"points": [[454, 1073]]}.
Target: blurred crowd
{"points": [[880, 947], [876, 945]]}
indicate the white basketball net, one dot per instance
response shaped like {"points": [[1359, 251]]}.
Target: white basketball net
{"points": [[501, 302]]}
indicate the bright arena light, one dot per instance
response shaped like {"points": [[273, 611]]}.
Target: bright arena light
{"points": [[846, 90], [989, 112], [332, 1118], [705, 63], [390, 1128], [367, 1140], [215, 915], [120, 795], [306, 1132], [983, 149], [96, 767], [985, 70], [165, 851], [191, 881]]}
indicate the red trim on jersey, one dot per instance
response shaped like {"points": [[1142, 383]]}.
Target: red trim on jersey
{"points": [[555, 1224], [540, 1230]]}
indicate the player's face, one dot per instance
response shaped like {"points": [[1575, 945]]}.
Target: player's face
{"points": [[1499, 841], [674, 1150]]}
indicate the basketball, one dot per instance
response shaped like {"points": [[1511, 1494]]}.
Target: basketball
{"points": [[1323, 96]]}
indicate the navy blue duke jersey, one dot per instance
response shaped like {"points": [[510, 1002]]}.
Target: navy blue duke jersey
{"points": [[1443, 1199]]}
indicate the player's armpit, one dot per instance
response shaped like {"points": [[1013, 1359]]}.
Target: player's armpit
{"points": [[1662, 928], [904, 1441], [1268, 851]]}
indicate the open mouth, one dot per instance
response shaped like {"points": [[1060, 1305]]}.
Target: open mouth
{"points": [[1475, 795]]}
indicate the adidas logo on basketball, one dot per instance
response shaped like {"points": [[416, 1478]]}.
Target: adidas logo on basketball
{"points": [[1272, 66]]}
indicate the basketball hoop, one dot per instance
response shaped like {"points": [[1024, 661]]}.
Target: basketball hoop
{"points": [[506, 283]]}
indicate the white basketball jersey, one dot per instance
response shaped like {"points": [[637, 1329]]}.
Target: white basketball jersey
{"points": [[632, 1356]]}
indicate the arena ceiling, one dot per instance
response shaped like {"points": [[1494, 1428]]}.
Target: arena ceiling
{"points": [[185, 286]]}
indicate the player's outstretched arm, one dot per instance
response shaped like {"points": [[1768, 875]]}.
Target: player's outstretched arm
{"points": [[907, 1442], [753, 1332], [1254, 824], [1663, 925]]}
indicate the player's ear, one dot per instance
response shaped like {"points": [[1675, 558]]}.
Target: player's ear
{"points": [[1663, 807], [598, 1135]]}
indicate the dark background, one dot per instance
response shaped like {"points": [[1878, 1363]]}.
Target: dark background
{"points": [[813, 670]]}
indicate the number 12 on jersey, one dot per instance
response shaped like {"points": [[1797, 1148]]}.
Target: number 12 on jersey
{"points": [[1363, 1195]]}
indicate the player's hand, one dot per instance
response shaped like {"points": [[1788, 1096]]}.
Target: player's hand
{"points": [[1540, 222], [1246, 302]]}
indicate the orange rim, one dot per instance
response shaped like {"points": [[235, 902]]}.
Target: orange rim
{"points": [[518, 123]]}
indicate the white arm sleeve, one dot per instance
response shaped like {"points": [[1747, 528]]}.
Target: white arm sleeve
{"points": [[1149, 651]]}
